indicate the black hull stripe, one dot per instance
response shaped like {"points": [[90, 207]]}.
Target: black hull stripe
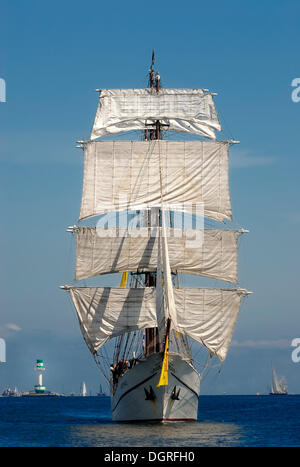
{"points": [[181, 382], [131, 389], [160, 420]]}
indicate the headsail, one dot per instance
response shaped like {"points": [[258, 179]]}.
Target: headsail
{"points": [[160, 302], [122, 175], [168, 285], [187, 110]]}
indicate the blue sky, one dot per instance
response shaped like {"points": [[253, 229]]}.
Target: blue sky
{"points": [[53, 55]]}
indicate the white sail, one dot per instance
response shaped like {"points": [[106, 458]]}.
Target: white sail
{"points": [[275, 382], [206, 315], [278, 386], [83, 391], [187, 110], [121, 175], [209, 252], [209, 316], [107, 312]]}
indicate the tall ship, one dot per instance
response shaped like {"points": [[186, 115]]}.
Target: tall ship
{"points": [[279, 385], [161, 205]]}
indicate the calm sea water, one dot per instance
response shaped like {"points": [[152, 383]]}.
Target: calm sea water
{"points": [[85, 421]]}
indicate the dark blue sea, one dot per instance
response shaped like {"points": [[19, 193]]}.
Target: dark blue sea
{"points": [[86, 421]]}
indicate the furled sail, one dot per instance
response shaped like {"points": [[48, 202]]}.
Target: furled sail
{"points": [[168, 285], [186, 110], [121, 175], [159, 292], [206, 315], [209, 252]]}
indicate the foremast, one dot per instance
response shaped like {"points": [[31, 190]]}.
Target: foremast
{"points": [[157, 339], [152, 338]]}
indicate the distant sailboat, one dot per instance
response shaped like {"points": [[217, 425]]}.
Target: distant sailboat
{"points": [[101, 393], [83, 391], [10, 392], [279, 386]]}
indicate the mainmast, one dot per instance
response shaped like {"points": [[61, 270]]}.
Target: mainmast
{"points": [[152, 341], [154, 217], [154, 84]]}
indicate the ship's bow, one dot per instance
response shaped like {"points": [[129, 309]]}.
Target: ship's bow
{"points": [[137, 397]]}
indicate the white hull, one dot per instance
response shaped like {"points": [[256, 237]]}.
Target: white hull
{"points": [[134, 400]]}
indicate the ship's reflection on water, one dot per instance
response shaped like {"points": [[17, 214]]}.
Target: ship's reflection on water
{"points": [[166, 434]]}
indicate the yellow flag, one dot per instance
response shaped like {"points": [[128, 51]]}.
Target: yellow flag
{"points": [[123, 280], [163, 380]]}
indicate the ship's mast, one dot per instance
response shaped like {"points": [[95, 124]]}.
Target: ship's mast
{"points": [[152, 216], [152, 343]]}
